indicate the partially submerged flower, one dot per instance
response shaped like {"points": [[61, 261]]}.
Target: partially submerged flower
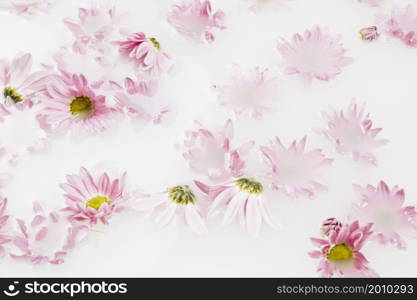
{"points": [[340, 253], [93, 199], [292, 169], [194, 18], [254, 92], [314, 54], [369, 33], [352, 132], [384, 207]]}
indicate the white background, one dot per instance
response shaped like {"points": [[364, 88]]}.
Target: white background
{"points": [[383, 74]]}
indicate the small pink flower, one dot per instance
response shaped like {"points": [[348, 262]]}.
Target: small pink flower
{"points": [[26, 7], [212, 153], [92, 199], [330, 225], [241, 200], [256, 5], [4, 236], [369, 33], [293, 170], [384, 208], [371, 2], [47, 238], [254, 92], [194, 18], [176, 204], [70, 103], [340, 253], [351, 131], [401, 24], [315, 54]]}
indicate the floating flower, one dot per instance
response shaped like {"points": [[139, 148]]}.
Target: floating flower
{"points": [[254, 92], [47, 238], [70, 103], [384, 208], [293, 170], [369, 33], [194, 18], [4, 236], [92, 199], [401, 24], [329, 225], [26, 7], [351, 130], [256, 5], [212, 154], [340, 253], [242, 200], [177, 203], [315, 54]]}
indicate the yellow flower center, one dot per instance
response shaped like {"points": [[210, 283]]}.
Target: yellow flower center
{"points": [[340, 252], [96, 202], [249, 185], [13, 94], [155, 43], [81, 106], [181, 194]]}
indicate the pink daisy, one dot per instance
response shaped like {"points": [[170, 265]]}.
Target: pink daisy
{"points": [[351, 131], [47, 238], [369, 33], [92, 199], [256, 5], [194, 18], [4, 236], [177, 204], [401, 24], [340, 253], [241, 200], [70, 103], [212, 153], [293, 170], [254, 92], [384, 208], [315, 54], [26, 7]]}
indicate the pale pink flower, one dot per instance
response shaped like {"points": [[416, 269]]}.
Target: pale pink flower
{"points": [[340, 253], [26, 7], [314, 54], [5, 237], [329, 225], [93, 199], [371, 2], [176, 204], [256, 5], [384, 207], [254, 92], [401, 24], [213, 154], [293, 170], [194, 18], [351, 131], [47, 238], [70, 103], [241, 200], [369, 33]]}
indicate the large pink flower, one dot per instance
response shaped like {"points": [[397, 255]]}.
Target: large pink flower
{"points": [[26, 7], [213, 154], [401, 24], [293, 170], [194, 18], [340, 253], [47, 238], [92, 199], [254, 92], [314, 54], [384, 208], [177, 204], [241, 200], [4, 236], [351, 131], [256, 5], [70, 103]]}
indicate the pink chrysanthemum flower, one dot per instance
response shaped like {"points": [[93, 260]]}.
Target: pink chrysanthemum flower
{"points": [[369, 33], [315, 54], [401, 24], [194, 18], [26, 7], [4, 236], [293, 170], [256, 5], [329, 225], [177, 204], [340, 253], [351, 130], [212, 153], [254, 92], [70, 103], [241, 200], [47, 238], [146, 52], [92, 199], [384, 208]]}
